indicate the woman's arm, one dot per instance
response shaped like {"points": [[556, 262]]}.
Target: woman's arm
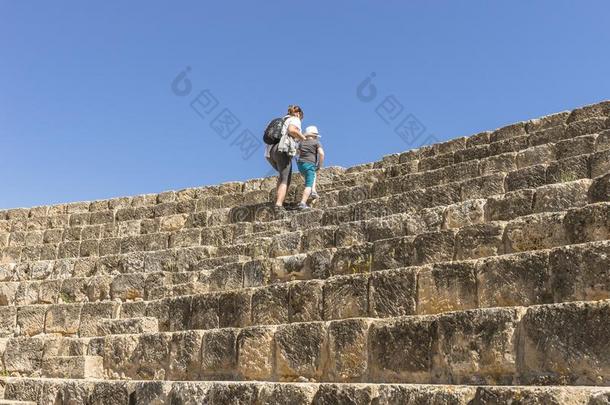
{"points": [[294, 132]]}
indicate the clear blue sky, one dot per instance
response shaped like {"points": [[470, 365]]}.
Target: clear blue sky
{"points": [[87, 109]]}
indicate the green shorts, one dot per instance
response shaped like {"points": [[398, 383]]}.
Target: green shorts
{"points": [[308, 170]]}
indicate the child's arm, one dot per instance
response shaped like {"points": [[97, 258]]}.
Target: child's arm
{"points": [[320, 157]]}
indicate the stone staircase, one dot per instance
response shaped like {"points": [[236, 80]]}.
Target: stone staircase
{"points": [[475, 271]]}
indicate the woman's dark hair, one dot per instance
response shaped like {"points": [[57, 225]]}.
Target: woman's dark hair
{"points": [[294, 109]]}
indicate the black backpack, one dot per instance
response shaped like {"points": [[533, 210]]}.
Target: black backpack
{"points": [[273, 133]]}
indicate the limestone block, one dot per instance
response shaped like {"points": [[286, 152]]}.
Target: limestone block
{"points": [[7, 321], [474, 152], [528, 177], [498, 163], [111, 246], [555, 349], [588, 223], [127, 326], [547, 121], [600, 163], [392, 253], [354, 194], [481, 240], [580, 272], [346, 297], [257, 272], [226, 277], [451, 145], [300, 351], [505, 152], [219, 353], [534, 395], [459, 172], [150, 358], [73, 367], [298, 394], [348, 350], [204, 311], [63, 319], [118, 353], [255, 353], [514, 280], [232, 393], [569, 169], [8, 292], [234, 308], [533, 232], [576, 146], [93, 313], [23, 390], [482, 187], [510, 205], [467, 213], [319, 238], [23, 355], [98, 288], [73, 290], [399, 350], [603, 141], [392, 293], [352, 260], [101, 217], [150, 392], [481, 138], [434, 247], [600, 189], [541, 154], [593, 110], [562, 196], [349, 233], [425, 394], [477, 347], [128, 287], [286, 244], [592, 125], [188, 392], [131, 309], [297, 267], [68, 250], [384, 228], [185, 238], [160, 309], [31, 319], [435, 162], [446, 287], [507, 132], [270, 305], [306, 301]]}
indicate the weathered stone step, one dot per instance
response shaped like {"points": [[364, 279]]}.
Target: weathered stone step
{"points": [[127, 326], [511, 138], [542, 344], [73, 367], [40, 242], [11, 402], [471, 242], [46, 391], [545, 198], [23, 248], [570, 273], [553, 197]]}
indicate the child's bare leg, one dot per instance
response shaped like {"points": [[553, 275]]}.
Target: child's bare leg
{"points": [[306, 194]]}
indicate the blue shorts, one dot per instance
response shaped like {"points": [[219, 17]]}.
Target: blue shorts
{"points": [[308, 170]]}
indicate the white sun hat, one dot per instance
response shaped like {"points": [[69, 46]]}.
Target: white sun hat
{"points": [[312, 130]]}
